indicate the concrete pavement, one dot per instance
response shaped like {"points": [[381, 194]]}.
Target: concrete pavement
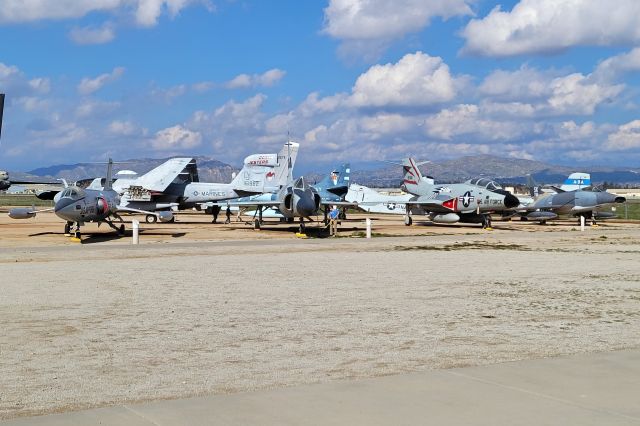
{"points": [[594, 389]]}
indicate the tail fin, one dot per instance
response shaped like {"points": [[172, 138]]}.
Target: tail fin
{"points": [[336, 182], [532, 186], [266, 172], [1, 112], [109, 177], [576, 181], [286, 161], [413, 181]]}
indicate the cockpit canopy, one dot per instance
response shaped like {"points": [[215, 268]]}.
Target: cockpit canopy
{"points": [[73, 192], [491, 185], [299, 183]]}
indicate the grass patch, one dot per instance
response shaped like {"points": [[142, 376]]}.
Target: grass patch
{"points": [[475, 245], [23, 200]]}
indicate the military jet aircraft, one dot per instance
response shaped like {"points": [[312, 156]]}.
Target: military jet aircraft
{"points": [[297, 199], [78, 206], [175, 183], [372, 201], [471, 202], [587, 203], [332, 188]]}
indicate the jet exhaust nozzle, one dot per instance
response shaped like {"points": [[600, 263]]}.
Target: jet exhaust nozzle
{"points": [[510, 200]]}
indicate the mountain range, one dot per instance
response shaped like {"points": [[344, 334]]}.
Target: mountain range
{"points": [[504, 170]]}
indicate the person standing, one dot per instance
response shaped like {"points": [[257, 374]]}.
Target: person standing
{"points": [[333, 221], [228, 213]]}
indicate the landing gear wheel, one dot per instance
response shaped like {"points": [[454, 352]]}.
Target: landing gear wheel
{"points": [[77, 234], [256, 224], [67, 228], [121, 230], [302, 227], [173, 219], [408, 220], [151, 218]]}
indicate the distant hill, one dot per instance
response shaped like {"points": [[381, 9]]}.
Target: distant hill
{"points": [[504, 170], [209, 169]]}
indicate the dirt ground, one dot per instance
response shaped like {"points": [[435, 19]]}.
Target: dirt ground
{"points": [[200, 309]]}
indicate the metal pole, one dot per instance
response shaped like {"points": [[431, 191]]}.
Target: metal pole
{"points": [[368, 227], [135, 226]]}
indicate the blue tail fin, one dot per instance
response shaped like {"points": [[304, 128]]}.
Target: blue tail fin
{"points": [[335, 184]]}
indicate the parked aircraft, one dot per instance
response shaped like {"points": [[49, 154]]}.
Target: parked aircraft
{"points": [[78, 206], [372, 201], [471, 202], [297, 199], [332, 188], [174, 185], [585, 201]]}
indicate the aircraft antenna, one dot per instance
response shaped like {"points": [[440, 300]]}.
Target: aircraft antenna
{"points": [[1, 111], [107, 183]]}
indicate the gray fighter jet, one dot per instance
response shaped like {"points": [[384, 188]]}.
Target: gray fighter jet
{"points": [[78, 206], [297, 199], [470, 202], [587, 203]]}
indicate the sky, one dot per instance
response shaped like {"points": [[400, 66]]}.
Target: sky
{"points": [[350, 80]]}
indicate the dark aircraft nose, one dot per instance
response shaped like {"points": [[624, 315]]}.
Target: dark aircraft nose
{"points": [[510, 200], [305, 205]]}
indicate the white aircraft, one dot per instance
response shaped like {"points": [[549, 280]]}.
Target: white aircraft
{"points": [[174, 184]]}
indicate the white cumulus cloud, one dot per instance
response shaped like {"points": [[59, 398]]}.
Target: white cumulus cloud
{"points": [[176, 137], [547, 26], [627, 137], [88, 85], [266, 79], [415, 80], [371, 24], [93, 35]]}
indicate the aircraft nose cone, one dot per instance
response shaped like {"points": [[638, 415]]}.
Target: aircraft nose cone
{"points": [[510, 200], [305, 205]]}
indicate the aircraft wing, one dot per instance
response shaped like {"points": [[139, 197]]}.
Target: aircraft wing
{"points": [[339, 203], [255, 203], [160, 178], [435, 206], [132, 210]]}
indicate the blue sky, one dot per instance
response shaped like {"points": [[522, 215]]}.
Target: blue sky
{"points": [[351, 80]]}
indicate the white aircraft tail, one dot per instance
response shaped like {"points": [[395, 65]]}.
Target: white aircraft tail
{"points": [[266, 172], [576, 181], [413, 181]]}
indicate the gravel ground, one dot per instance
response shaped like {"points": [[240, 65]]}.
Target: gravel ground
{"points": [[100, 324]]}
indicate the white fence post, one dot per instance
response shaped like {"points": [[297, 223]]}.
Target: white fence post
{"points": [[135, 226], [582, 220], [368, 227]]}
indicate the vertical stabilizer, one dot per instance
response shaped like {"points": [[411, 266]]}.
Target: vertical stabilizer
{"points": [[413, 181], [532, 186], [576, 181], [109, 178], [336, 182]]}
